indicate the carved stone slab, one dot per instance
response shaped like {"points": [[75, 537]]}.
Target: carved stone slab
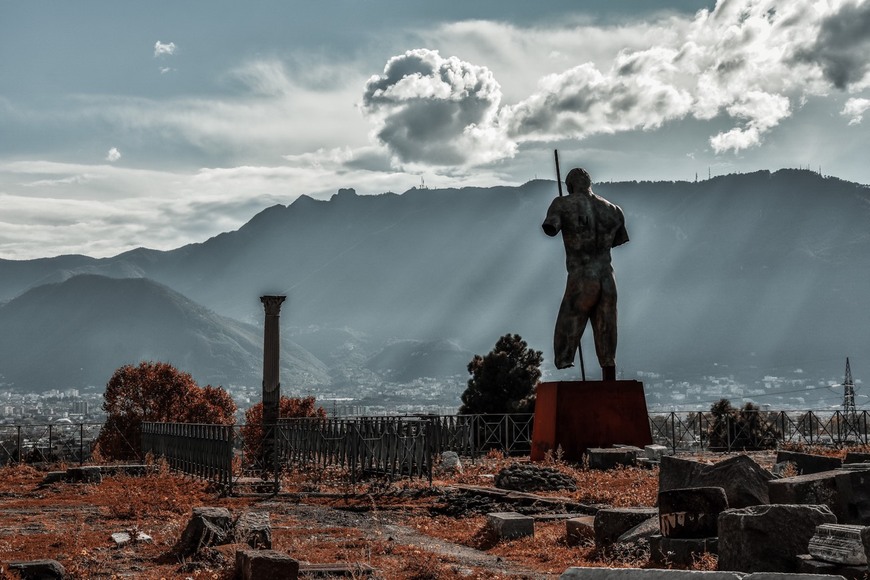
{"points": [[838, 543]]}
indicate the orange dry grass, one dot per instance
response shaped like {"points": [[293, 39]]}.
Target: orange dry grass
{"points": [[73, 523], [620, 487]]}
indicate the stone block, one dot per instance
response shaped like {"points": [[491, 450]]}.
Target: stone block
{"points": [[691, 512], [646, 463], [679, 551], [809, 565], [856, 457], [450, 463], [782, 576], [845, 492], [656, 452], [260, 564], [253, 528], [807, 463], [531, 477], [207, 526], [53, 477], [610, 523], [838, 544], [644, 574], [608, 458], [744, 481], [85, 474], [39, 570], [580, 530], [510, 525], [768, 538], [640, 532], [128, 469], [854, 466]]}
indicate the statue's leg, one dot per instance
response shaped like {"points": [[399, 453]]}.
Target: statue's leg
{"points": [[604, 327], [580, 297]]}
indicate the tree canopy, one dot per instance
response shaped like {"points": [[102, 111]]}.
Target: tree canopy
{"points": [[156, 391], [504, 380]]}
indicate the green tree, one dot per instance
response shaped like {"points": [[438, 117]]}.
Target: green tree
{"points": [[158, 392], [722, 429], [505, 380]]}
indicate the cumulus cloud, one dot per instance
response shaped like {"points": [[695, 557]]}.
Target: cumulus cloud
{"points": [[162, 49], [113, 155], [753, 62], [842, 45], [435, 110], [854, 109]]}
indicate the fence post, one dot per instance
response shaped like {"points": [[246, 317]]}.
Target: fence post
{"points": [[229, 450], [673, 432], [81, 443]]}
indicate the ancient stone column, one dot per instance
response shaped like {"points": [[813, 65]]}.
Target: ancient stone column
{"points": [[271, 360]]}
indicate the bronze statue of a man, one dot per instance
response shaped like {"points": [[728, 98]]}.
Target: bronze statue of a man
{"points": [[590, 226]]}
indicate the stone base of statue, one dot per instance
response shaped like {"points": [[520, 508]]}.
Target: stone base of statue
{"points": [[577, 415]]}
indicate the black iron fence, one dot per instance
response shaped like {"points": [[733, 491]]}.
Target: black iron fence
{"points": [[36, 443], [407, 446], [393, 446], [203, 451], [698, 431]]}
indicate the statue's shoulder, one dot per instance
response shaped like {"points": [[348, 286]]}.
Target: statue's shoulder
{"points": [[608, 204]]}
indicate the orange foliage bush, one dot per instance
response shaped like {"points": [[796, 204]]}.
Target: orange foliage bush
{"points": [[155, 391]]}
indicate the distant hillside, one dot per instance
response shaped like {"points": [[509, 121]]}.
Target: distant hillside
{"points": [[757, 273], [79, 331]]}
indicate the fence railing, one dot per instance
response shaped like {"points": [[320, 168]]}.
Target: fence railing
{"points": [[392, 446], [203, 451], [397, 446], [408, 445], [696, 431], [49, 442]]}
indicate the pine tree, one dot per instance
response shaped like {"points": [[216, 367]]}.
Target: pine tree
{"points": [[503, 381]]}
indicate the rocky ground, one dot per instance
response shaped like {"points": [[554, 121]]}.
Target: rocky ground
{"points": [[404, 529]]}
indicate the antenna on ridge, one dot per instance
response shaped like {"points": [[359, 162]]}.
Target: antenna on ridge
{"points": [[849, 412]]}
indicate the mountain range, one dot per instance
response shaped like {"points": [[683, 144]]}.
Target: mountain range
{"points": [[746, 273]]}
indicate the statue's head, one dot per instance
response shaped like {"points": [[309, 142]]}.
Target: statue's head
{"points": [[578, 180]]}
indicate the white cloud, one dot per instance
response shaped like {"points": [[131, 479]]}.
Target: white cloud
{"points": [[436, 111], [745, 60], [113, 155], [162, 49], [103, 210], [855, 108]]}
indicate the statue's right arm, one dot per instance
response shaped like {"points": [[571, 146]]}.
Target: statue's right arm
{"points": [[553, 223]]}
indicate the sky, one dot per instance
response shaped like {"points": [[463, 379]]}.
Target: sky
{"points": [[164, 123]]}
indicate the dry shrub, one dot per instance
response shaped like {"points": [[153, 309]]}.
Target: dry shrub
{"points": [[619, 487], [705, 561], [425, 566]]}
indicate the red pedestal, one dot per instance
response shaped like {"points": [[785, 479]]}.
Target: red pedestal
{"points": [[582, 414]]}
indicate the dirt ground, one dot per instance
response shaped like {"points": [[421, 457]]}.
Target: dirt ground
{"points": [[403, 529]]}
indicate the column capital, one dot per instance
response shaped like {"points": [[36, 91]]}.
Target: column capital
{"points": [[272, 304]]}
